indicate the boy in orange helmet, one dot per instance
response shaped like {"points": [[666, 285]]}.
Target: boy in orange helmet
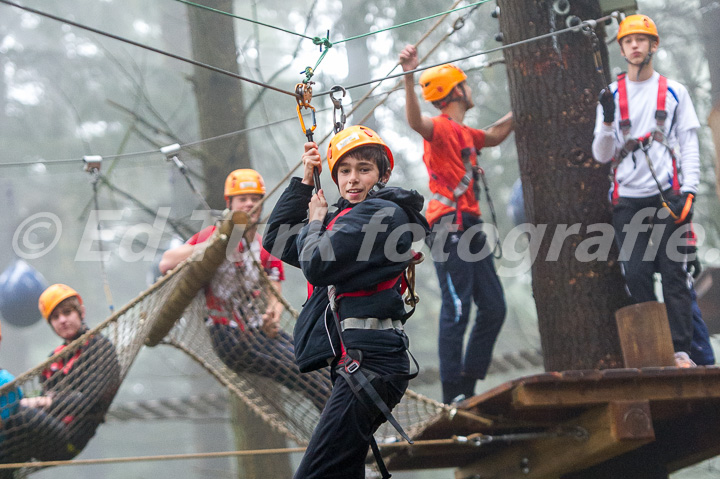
{"points": [[76, 390], [245, 339], [450, 156], [641, 118], [354, 258]]}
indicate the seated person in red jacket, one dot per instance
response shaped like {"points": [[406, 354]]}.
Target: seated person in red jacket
{"points": [[245, 338], [76, 390]]}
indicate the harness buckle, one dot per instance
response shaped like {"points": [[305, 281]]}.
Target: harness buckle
{"points": [[352, 366], [625, 125], [661, 116]]}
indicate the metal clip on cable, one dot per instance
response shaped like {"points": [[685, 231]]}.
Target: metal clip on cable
{"points": [[338, 126], [303, 96]]}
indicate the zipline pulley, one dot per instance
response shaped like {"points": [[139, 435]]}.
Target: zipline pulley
{"points": [[338, 126], [303, 96]]}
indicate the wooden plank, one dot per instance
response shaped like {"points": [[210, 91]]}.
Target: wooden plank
{"points": [[645, 338], [678, 385], [612, 429]]}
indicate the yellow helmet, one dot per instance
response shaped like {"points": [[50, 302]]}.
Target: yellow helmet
{"points": [[637, 24], [243, 182], [53, 296], [438, 82], [350, 139]]}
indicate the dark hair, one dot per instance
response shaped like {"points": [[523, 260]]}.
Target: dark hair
{"points": [[374, 153], [447, 99], [71, 302]]}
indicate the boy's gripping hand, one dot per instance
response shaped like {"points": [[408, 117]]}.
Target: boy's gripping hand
{"points": [[317, 207], [311, 159], [408, 58]]}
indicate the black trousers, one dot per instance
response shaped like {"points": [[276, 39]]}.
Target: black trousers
{"points": [[649, 241], [340, 442]]}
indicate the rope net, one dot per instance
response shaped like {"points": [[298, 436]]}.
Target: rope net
{"points": [[218, 308]]}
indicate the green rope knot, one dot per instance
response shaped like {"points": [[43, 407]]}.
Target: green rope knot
{"points": [[323, 42]]}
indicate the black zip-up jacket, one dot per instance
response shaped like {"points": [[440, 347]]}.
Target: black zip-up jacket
{"points": [[368, 245]]}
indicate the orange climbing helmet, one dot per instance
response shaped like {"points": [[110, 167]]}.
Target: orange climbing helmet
{"points": [[349, 139], [637, 24], [438, 82], [54, 295], [244, 182]]}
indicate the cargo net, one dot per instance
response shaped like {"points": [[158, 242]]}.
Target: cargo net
{"points": [[51, 412], [214, 309]]}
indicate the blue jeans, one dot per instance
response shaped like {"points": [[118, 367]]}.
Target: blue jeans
{"points": [[463, 283], [700, 349]]}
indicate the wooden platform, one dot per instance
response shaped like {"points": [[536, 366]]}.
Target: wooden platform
{"points": [[556, 425]]}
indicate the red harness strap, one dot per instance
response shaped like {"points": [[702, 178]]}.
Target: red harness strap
{"points": [[329, 227], [382, 286], [625, 126]]}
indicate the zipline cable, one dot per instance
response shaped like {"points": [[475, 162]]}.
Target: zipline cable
{"points": [[250, 20], [577, 28], [146, 47]]}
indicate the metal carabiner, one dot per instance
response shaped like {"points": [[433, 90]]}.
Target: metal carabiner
{"points": [[338, 126], [303, 95]]}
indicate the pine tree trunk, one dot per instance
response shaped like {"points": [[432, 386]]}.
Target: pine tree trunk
{"points": [[221, 110], [710, 14], [219, 97], [554, 88]]}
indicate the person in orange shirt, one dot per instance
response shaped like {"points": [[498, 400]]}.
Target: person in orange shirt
{"points": [[450, 155]]}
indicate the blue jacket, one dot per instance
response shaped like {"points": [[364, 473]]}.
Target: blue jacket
{"points": [[355, 255]]}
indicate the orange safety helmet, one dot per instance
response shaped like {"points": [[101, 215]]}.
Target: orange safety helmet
{"points": [[349, 139], [438, 82], [53, 296], [637, 24], [244, 182]]}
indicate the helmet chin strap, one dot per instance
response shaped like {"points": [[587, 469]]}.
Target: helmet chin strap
{"points": [[645, 61]]}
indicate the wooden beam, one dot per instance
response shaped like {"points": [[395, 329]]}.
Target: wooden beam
{"points": [[612, 429], [644, 334], [680, 387]]}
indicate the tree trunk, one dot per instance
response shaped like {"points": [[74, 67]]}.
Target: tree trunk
{"points": [[219, 97], [221, 110], [358, 54], [251, 432], [711, 40], [553, 89]]}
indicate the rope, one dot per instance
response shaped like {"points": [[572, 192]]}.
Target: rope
{"points": [[205, 7], [473, 440], [447, 12], [576, 28], [147, 47], [106, 283]]}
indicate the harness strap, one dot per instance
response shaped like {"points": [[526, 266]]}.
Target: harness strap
{"points": [[644, 142], [378, 458]]}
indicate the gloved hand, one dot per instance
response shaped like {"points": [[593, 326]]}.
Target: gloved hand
{"points": [[681, 206], [607, 101], [694, 267]]}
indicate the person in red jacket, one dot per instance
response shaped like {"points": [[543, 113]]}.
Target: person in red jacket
{"points": [[450, 156], [245, 339], [77, 389]]}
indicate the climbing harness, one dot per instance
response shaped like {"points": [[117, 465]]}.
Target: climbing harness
{"points": [[92, 166], [473, 175], [303, 96], [349, 365], [644, 143]]}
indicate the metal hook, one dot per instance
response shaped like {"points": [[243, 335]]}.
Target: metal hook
{"points": [[338, 126]]}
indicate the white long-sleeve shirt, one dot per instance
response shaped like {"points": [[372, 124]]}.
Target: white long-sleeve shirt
{"points": [[633, 175]]}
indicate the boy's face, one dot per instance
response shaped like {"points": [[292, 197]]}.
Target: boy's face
{"points": [[356, 177], [246, 203], [66, 320], [636, 47]]}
